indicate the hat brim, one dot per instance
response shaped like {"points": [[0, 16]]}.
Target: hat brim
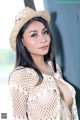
{"points": [[22, 21]]}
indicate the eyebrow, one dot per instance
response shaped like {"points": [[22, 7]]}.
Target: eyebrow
{"points": [[36, 30]]}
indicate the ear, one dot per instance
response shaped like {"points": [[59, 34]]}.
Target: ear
{"points": [[23, 42]]}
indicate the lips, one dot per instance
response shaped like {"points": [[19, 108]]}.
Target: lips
{"points": [[43, 47]]}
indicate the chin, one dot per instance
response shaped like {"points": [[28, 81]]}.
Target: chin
{"points": [[44, 53]]}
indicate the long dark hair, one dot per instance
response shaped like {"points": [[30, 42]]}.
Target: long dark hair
{"points": [[23, 57]]}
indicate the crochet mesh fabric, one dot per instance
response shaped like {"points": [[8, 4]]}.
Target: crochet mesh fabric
{"points": [[42, 102]]}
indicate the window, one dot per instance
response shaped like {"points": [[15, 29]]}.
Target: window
{"points": [[8, 9], [39, 4]]}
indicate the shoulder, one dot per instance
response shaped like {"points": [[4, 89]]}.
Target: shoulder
{"points": [[23, 76], [58, 68]]}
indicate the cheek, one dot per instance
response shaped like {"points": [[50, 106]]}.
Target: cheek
{"points": [[30, 45], [28, 42], [49, 40]]}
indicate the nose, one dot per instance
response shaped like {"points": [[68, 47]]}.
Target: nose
{"points": [[43, 39]]}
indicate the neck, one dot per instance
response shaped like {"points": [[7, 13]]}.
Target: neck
{"points": [[42, 65], [39, 61]]}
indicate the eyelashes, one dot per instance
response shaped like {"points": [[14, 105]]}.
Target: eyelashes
{"points": [[44, 33], [34, 35]]}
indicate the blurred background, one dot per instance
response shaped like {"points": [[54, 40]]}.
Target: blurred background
{"points": [[65, 27]]}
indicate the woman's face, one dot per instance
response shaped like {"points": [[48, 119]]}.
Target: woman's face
{"points": [[36, 39]]}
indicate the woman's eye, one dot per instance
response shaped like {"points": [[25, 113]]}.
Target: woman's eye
{"points": [[46, 32], [33, 35]]}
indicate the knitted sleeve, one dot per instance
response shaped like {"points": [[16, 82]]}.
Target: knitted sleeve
{"points": [[18, 94], [19, 108]]}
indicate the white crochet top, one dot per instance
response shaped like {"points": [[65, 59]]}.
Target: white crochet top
{"points": [[42, 102]]}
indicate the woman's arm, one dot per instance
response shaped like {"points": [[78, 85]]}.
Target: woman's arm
{"points": [[19, 103], [18, 95]]}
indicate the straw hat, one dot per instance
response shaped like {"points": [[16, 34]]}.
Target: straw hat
{"points": [[22, 17]]}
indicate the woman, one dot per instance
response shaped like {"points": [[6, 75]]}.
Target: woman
{"points": [[37, 88]]}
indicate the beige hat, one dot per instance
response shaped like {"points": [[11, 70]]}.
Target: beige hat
{"points": [[24, 16]]}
